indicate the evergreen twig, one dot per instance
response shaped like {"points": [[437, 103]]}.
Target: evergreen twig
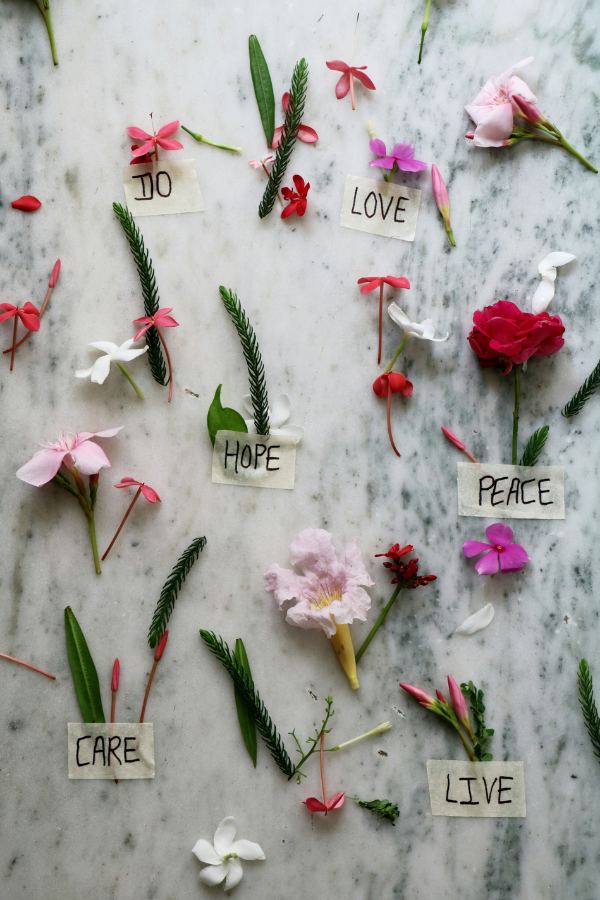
{"points": [[534, 447], [578, 400], [256, 369], [588, 705], [171, 589], [293, 121], [383, 808], [482, 734], [149, 290], [245, 686]]}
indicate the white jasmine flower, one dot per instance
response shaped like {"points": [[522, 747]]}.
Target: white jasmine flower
{"points": [[223, 859], [547, 269], [99, 371], [424, 331], [278, 416]]}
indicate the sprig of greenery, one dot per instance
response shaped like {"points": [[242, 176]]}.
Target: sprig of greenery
{"points": [[263, 87], [578, 400], [482, 734], [251, 698], [534, 447], [293, 121], [588, 705], [329, 712], [171, 589], [149, 290], [256, 369], [383, 808]]}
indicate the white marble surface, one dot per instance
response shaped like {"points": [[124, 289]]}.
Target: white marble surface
{"points": [[64, 140]]}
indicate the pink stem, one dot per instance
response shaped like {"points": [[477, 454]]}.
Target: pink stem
{"points": [[28, 666], [14, 344], [122, 523], [389, 424], [380, 320], [352, 90], [470, 455], [148, 691]]}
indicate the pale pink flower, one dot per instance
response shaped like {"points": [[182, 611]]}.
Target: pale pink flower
{"points": [[493, 108], [305, 133], [75, 451], [152, 140], [256, 163], [148, 492], [500, 553], [327, 592]]}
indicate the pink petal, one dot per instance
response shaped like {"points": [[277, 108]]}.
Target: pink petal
{"points": [[285, 101], [343, 86], [161, 312], [488, 564], [110, 432], [315, 805], [289, 210], [145, 319], [276, 137], [313, 551], [411, 165], [169, 145], [377, 146], [364, 79], [89, 458], [127, 482], [149, 493], [397, 282], [496, 127], [167, 130], [30, 321], [141, 151], [403, 151], [369, 284], [513, 558], [423, 697], [337, 65], [484, 102], [307, 134], [139, 135], [142, 331], [386, 163], [499, 534], [42, 468], [166, 321], [472, 548], [337, 801]]}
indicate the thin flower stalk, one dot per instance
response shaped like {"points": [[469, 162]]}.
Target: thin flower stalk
{"points": [[28, 666], [424, 28], [142, 488], [157, 657], [125, 517], [203, 140], [51, 286], [114, 687], [385, 726], [515, 432], [44, 8]]}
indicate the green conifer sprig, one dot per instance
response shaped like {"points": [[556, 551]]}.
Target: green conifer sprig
{"points": [[149, 290], [171, 589], [578, 400], [588, 705], [482, 734], [293, 121], [383, 808], [534, 447], [256, 369], [245, 686]]}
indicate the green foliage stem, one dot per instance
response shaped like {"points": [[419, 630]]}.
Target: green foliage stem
{"points": [[578, 400], [293, 121], [171, 589], [534, 447], [482, 734], [383, 808], [245, 717], [588, 705]]}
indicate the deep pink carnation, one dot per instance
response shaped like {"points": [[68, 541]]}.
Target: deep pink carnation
{"points": [[504, 335]]}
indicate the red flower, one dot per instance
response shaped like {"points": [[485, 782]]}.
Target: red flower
{"points": [[395, 552], [504, 335], [28, 314], [146, 158], [298, 200], [392, 383], [315, 805]]}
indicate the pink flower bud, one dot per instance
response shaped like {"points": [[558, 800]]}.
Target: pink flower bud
{"points": [[458, 702], [54, 276], [470, 136], [161, 647], [441, 697], [529, 112], [114, 685], [452, 437], [423, 697], [439, 191]]}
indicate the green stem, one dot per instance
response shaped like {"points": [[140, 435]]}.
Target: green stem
{"points": [[516, 416], [397, 353], [378, 623], [467, 747], [449, 234], [380, 728], [424, 27], [44, 8], [314, 741], [203, 140], [564, 144], [130, 380], [92, 527]]}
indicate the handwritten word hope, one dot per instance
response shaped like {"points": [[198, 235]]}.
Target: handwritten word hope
{"points": [[163, 187], [254, 460], [121, 750], [511, 492], [380, 207], [481, 790]]}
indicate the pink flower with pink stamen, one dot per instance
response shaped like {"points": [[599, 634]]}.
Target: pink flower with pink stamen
{"points": [[500, 554], [155, 140]]}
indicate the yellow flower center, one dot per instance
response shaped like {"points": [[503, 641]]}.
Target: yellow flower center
{"points": [[325, 598]]}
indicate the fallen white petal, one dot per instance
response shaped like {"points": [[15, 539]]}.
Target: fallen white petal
{"points": [[543, 295], [478, 621], [557, 258]]}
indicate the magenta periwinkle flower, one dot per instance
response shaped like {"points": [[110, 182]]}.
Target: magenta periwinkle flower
{"points": [[501, 553], [440, 194], [401, 157]]}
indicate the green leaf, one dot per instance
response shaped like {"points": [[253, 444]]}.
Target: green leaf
{"points": [[222, 418], [578, 400], [85, 677], [263, 87], [383, 808], [534, 447], [588, 705], [246, 719]]}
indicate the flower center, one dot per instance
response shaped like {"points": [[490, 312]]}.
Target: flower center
{"points": [[230, 856], [498, 548], [325, 597]]}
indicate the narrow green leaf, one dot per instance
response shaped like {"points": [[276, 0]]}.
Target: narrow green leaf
{"points": [[85, 677], [246, 719], [263, 87], [171, 588], [578, 400], [222, 418]]}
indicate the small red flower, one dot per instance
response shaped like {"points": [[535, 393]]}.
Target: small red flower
{"points": [[315, 805], [395, 552], [392, 383], [28, 314], [297, 197]]}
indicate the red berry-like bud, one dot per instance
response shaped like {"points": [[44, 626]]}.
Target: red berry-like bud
{"points": [[114, 685], [161, 647]]}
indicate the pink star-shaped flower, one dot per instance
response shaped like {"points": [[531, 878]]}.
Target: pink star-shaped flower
{"points": [[148, 492], [403, 156], [159, 318], [346, 82], [152, 141], [501, 553]]}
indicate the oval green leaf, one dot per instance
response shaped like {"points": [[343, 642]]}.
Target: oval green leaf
{"points": [[85, 677], [246, 720], [222, 418], [263, 87]]}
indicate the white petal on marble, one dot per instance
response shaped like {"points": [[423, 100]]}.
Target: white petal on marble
{"points": [[547, 269], [478, 621]]}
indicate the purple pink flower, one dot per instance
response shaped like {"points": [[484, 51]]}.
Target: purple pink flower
{"points": [[501, 553]]}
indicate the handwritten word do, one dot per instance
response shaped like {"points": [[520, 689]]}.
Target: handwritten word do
{"points": [[163, 188]]}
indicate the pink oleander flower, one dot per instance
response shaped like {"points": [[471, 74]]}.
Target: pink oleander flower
{"points": [[28, 314], [74, 451], [493, 108], [402, 157], [346, 82], [315, 805], [155, 140], [305, 133], [148, 492], [442, 200], [159, 318], [501, 553]]}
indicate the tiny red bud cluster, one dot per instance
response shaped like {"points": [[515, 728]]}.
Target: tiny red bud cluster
{"points": [[405, 572]]}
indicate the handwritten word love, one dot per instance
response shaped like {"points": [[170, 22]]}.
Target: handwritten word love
{"points": [[380, 207]]}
